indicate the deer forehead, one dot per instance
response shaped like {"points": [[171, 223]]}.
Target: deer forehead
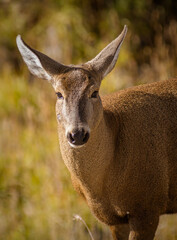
{"points": [[75, 82]]}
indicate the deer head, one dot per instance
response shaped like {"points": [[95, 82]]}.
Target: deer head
{"points": [[78, 108]]}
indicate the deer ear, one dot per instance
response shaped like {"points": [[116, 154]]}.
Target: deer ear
{"points": [[38, 63], [105, 61]]}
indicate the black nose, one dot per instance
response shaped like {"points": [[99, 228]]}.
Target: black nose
{"points": [[78, 137]]}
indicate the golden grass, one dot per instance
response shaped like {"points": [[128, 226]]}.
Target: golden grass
{"points": [[37, 199]]}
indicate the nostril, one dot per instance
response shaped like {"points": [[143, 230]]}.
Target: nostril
{"points": [[86, 137], [70, 137]]}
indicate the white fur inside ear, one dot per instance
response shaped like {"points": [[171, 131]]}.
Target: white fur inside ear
{"points": [[113, 62], [31, 60], [111, 66], [101, 62]]}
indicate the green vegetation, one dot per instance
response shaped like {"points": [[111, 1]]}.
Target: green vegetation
{"points": [[37, 200]]}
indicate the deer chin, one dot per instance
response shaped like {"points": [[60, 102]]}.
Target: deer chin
{"points": [[76, 146]]}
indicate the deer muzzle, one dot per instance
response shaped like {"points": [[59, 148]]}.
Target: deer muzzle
{"points": [[78, 137]]}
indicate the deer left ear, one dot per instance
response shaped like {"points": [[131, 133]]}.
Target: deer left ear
{"points": [[105, 61]]}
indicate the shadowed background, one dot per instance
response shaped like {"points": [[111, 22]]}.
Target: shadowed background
{"points": [[37, 200]]}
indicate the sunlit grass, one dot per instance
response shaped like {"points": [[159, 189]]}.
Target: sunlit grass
{"points": [[36, 196]]}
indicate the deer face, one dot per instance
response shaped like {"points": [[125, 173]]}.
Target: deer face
{"points": [[78, 107]]}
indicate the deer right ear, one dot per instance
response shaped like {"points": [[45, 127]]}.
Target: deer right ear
{"points": [[38, 63]]}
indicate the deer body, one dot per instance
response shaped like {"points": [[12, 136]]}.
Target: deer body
{"points": [[121, 150], [111, 158]]}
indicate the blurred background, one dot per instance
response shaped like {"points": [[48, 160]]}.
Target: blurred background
{"points": [[37, 200]]}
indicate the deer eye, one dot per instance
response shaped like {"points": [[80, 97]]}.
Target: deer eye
{"points": [[59, 95], [94, 94]]}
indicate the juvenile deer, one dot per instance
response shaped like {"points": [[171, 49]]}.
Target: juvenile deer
{"points": [[121, 149]]}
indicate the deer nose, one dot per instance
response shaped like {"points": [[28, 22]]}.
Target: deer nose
{"points": [[78, 137]]}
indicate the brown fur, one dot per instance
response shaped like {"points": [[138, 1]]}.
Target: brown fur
{"points": [[127, 171]]}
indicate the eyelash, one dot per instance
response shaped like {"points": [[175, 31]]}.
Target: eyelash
{"points": [[59, 95], [94, 94]]}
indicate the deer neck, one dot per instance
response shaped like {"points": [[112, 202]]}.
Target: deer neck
{"points": [[89, 165]]}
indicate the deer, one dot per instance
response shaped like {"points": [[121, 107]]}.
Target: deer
{"points": [[121, 148]]}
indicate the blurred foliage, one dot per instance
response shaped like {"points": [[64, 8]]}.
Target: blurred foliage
{"points": [[37, 200]]}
